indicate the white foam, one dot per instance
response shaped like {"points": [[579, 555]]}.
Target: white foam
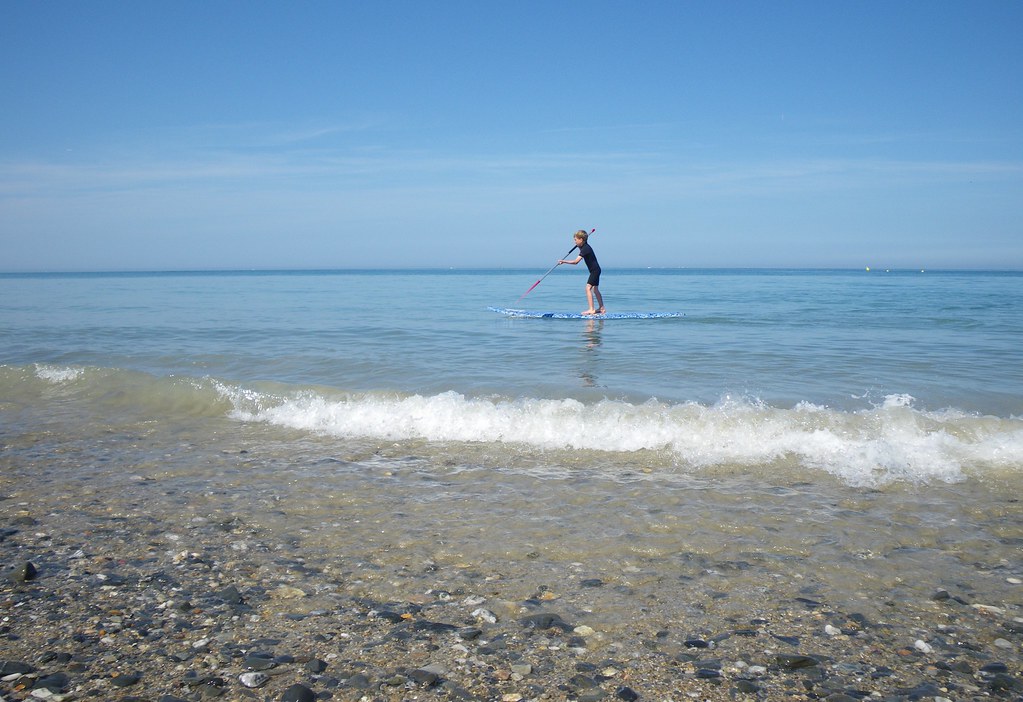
{"points": [[890, 442], [57, 375]]}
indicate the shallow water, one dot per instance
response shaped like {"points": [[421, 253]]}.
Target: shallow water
{"points": [[665, 542]]}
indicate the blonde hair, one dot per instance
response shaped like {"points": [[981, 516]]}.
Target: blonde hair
{"points": [[581, 234]]}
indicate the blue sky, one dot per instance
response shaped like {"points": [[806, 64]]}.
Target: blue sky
{"points": [[224, 134]]}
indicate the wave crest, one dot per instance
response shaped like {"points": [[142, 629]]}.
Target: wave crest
{"points": [[890, 442]]}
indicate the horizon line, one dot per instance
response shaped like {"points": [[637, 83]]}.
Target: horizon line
{"points": [[439, 269]]}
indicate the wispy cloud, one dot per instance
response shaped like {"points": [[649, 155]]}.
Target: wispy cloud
{"points": [[362, 167]]}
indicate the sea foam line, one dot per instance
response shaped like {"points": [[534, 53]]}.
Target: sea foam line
{"points": [[891, 442]]}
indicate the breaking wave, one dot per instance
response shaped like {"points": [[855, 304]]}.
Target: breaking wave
{"points": [[891, 441]]}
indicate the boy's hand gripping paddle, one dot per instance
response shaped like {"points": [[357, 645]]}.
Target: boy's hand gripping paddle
{"points": [[550, 271]]}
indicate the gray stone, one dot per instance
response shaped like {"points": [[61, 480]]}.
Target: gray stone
{"points": [[125, 680], [255, 679], [795, 662], [298, 693], [545, 620], [22, 573]]}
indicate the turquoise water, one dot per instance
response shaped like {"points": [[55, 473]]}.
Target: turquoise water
{"points": [[843, 339]]}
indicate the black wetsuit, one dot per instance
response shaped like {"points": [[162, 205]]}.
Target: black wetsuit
{"points": [[591, 264]]}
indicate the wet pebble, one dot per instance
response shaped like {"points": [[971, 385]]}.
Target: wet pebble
{"points": [[125, 680], [22, 572], [255, 679], [469, 633], [57, 682], [425, 677], [14, 668], [795, 662], [259, 661], [315, 666], [485, 615], [545, 621], [231, 595], [298, 693], [1002, 682], [747, 687]]}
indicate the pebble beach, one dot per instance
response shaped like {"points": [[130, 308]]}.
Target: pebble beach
{"points": [[113, 590]]}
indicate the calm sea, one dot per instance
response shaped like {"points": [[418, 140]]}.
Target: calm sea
{"points": [[874, 409]]}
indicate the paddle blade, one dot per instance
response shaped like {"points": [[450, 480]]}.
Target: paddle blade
{"points": [[530, 289]]}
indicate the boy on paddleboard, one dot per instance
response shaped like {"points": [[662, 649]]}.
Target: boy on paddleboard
{"points": [[586, 254]]}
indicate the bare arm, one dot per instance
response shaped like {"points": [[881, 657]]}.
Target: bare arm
{"points": [[571, 263]]}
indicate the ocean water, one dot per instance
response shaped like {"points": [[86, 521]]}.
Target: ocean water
{"points": [[869, 376], [868, 421]]}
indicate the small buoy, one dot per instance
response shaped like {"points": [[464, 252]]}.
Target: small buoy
{"points": [[868, 269]]}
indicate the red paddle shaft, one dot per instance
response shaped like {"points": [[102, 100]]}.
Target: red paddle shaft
{"points": [[550, 271]]}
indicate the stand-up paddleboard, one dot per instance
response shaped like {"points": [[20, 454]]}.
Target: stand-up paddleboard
{"points": [[530, 314]]}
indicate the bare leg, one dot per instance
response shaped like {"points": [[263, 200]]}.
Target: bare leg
{"points": [[600, 300], [589, 298]]}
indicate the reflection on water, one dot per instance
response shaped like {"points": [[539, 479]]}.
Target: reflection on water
{"points": [[590, 351]]}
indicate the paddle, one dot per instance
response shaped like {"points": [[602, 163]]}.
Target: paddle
{"points": [[548, 272]]}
